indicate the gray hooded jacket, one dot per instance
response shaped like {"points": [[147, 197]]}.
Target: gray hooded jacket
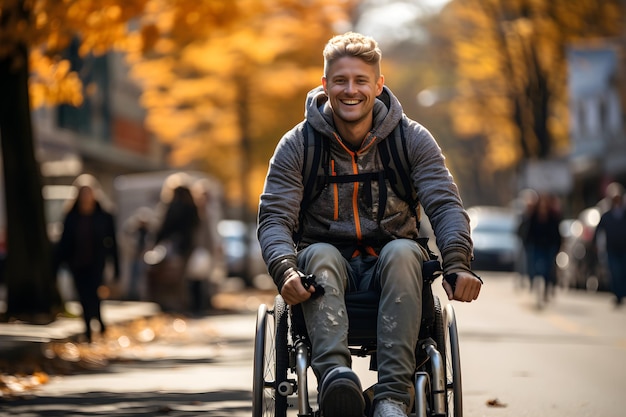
{"points": [[342, 214]]}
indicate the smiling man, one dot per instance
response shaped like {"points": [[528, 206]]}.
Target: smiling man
{"points": [[357, 232]]}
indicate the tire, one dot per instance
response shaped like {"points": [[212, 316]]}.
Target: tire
{"points": [[454, 391], [271, 331], [438, 334], [439, 331], [258, 372], [281, 314]]}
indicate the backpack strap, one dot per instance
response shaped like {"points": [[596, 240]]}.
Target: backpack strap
{"points": [[395, 158], [314, 170], [316, 165]]}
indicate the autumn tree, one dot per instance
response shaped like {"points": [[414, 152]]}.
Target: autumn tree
{"points": [[511, 69], [216, 73], [32, 34], [222, 97]]}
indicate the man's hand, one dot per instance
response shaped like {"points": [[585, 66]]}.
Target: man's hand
{"points": [[293, 292], [466, 288]]}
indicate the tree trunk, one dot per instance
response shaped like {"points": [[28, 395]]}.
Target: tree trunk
{"points": [[30, 279]]}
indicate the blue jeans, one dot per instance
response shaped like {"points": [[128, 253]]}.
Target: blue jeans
{"points": [[542, 262], [397, 272], [617, 268]]}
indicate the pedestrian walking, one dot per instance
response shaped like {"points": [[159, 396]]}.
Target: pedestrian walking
{"points": [[543, 241], [174, 242], [528, 198], [611, 231], [137, 233], [206, 252], [87, 243]]}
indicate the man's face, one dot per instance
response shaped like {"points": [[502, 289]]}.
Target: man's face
{"points": [[352, 86]]}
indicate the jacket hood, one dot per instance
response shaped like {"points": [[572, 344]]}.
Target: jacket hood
{"points": [[387, 112]]}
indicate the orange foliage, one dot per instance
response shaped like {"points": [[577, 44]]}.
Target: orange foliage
{"points": [[216, 79], [53, 82], [48, 26], [510, 61], [220, 77]]}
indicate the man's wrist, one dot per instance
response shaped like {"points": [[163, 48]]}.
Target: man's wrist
{"points": [[279, 268]]}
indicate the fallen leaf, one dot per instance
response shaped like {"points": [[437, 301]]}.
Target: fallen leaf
{"points": [[495, 403]]}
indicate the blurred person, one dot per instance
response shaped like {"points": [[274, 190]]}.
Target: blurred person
{"points": [[543, 242], [528, 199], [348, 241], [87, 243], [174, 242], [207, 249], [138, 234], [612, 228]]}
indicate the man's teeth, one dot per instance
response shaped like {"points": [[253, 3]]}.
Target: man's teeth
{"points": [[350, 101]]}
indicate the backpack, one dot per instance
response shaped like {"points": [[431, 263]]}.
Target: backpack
{"points": [[396, 168]]}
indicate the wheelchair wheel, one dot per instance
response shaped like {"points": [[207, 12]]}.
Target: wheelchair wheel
{"points": [[270, 361], [439, 330], [453, 364]]}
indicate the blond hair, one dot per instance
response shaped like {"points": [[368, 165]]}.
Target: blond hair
{"points": [[355, 45]]}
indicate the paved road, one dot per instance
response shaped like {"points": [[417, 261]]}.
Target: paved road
{"points": [[566, 359]]}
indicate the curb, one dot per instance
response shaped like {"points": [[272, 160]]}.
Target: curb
{"points": [[18, 336]]}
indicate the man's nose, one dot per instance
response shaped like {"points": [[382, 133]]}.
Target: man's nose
{"points": [[350, 87]]}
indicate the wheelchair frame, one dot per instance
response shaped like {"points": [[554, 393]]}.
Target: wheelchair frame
{"points": [[282, 358]]}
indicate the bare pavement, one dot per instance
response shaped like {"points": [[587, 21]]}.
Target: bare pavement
{"points": [[148, 363]]}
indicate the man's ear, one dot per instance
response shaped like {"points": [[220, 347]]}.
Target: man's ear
{"points": [[379, 84], [324, 83]]}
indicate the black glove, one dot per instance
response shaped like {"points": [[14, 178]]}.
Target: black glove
{"points": [[308, 281], [451, 279]]}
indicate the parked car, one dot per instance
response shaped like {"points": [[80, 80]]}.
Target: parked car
{"points": [[242, 251], [497, 246]]}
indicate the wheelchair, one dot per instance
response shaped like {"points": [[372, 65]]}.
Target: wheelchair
{"points": [[282, 355]]}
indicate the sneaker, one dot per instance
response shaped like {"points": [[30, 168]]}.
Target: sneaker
{"points": [[341, 394], [390, 408]]}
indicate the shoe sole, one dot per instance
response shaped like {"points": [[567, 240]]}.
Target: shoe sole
{"points": [[343, 398]]}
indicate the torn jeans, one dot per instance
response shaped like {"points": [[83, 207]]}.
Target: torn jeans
{"points": [[397, 274]]}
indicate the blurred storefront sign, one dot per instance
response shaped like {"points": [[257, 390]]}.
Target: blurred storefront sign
{"points": [[553, 176]]}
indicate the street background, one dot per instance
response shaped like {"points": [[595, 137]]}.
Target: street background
{"points": [[518, 359], [520, 95]]}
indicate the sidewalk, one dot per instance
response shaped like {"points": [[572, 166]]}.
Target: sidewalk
{"points": [[18, 336]]}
